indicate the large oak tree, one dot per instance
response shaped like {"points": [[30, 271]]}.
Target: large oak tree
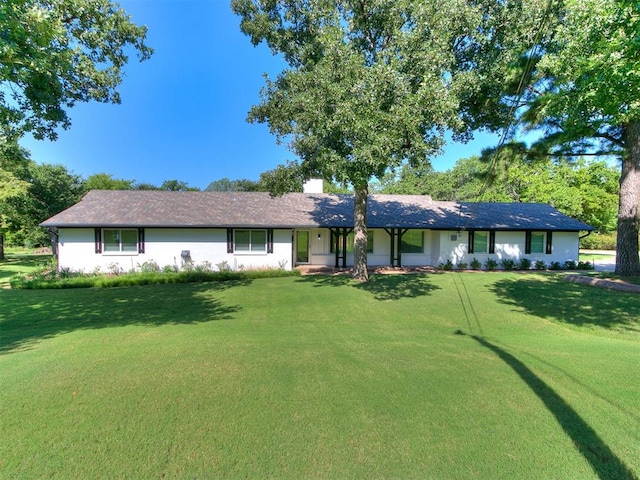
{"points": [[371, 85], [55, 53], [584, 93]]}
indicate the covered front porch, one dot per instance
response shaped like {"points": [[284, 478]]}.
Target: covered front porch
{"points": [[392, 247]]}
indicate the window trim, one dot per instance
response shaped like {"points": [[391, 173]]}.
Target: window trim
{"points": [[491, 241], [547, 242], [100, 246], [267, 246], [351, 242]]}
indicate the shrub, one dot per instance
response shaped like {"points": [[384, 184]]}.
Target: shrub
{"points": [[205, 267], [525, 264], [555, 266], [79, 280], [490, 264], [448, 266], [223, 266], [461, 266], [115, 269], [475, 264], [599, 241], [585, 265], [570, 265], [149, 266], [508, 264]]}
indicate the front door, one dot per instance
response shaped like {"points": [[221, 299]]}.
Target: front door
{"points": [[302, 246]]}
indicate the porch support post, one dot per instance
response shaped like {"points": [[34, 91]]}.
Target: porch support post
{"points": [[392, 253], [344, 248]]}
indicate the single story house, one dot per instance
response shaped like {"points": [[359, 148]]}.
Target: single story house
{"points": [[252, 230]]}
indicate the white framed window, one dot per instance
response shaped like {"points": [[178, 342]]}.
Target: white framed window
{"points": [[250, 241], [120, 240]]}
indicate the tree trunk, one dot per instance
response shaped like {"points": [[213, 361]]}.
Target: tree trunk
{"points": [[360, 233], [627, 262], [2, 257]]}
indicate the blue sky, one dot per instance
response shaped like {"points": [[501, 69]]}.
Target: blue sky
{"points": [[183, 112]]}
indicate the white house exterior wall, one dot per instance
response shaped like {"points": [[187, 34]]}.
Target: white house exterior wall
{"points": [[508, 245], [76, 249], [164, 246]]}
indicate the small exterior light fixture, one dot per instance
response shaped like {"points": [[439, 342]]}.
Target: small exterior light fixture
{"points": [[319, 236]]}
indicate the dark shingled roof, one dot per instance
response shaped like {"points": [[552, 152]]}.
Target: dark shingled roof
{"points": [[140, 208]]}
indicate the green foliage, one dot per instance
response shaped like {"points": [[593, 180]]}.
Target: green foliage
{"points": [[372, 86], [490, 264], [56, 54], [599, 241], [461, 266], [585, 265], [540, 265], [508, 264], [586, 190], [105, 181], [584, 95], [226, 185], [21, 263], [447, 266], [51, 189], [176, 186], [475, 264], [149, 274], [524, 264]]}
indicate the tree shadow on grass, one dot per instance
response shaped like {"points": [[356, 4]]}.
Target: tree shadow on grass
{"points": [[571, 303], [13, 265], [382, 287], [602, 459], [28, 316]]}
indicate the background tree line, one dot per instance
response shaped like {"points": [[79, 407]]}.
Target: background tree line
{"points": [[585, 190]]}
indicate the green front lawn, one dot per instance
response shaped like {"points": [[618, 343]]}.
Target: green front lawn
{"points": [[18, 262], [472, 375]]}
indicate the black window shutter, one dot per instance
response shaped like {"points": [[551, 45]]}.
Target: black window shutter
{"points": [[492, 241], [141, 240], [98, 237], [470, 241], [549, 242], [229, 240], [527, 242], [270, 240]]}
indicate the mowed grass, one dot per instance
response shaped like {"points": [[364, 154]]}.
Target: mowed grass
{"points": [[472, 375], [18, 262]]}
